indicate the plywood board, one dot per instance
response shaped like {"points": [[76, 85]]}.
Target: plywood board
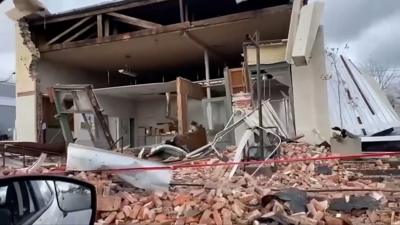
{"points": [[238, 81]]}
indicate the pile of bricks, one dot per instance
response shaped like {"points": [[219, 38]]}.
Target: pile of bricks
{"points": [[206, 195], [209, 197]]}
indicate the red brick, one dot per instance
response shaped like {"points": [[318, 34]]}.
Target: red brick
{"points": [[226, 217], [217, 217], [135, 211]]}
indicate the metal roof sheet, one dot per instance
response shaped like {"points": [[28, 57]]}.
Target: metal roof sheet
{"points": [[356, 102]]}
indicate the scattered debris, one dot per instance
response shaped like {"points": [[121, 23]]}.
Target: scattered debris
{"points": [[350, 203], [323, 169], [297, 199], [84, 158], [297, 193]]}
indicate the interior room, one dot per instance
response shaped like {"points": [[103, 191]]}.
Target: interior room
{"points": [[132, 83]]}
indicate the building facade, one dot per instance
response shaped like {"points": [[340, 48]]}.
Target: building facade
{"points": [[132, 52]]}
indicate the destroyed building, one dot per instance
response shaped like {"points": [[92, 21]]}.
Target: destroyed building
{"points": [[131, 73], [158, 65]]}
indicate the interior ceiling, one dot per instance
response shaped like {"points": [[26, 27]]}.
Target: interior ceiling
{"points": [[138, 92], [173, 50]]}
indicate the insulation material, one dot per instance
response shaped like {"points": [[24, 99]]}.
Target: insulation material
{"points": [[356, 103], [84, 158]]}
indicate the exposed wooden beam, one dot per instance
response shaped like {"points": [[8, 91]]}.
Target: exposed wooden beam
{"points": [[134, 21], [181, 106], [106, 27], [80, 22], [99, 26], [182, 10], [271, 11], [80, 32], [102, 9]]}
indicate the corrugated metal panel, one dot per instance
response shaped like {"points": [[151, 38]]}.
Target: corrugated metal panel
{"points": [[356, 103]]}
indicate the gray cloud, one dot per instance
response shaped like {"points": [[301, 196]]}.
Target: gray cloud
{"points": [[55, 6], [380, 43], [346, 20], [7, 29], [7, 43]]}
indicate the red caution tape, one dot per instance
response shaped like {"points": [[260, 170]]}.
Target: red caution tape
{"points": [[255, 162]]}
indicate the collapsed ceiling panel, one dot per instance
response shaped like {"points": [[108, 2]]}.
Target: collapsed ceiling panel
{"points": [[138, 92]]}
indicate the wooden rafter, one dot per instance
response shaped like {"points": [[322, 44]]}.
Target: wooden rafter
{"points": [[186, 26], [181, 106], [99, 26], [80, 22], [134, 21], [80, 32]]}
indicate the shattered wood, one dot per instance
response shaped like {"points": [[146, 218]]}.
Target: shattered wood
{"points": [[218, 200]]}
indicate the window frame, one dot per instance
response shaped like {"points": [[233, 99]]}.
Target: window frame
{"points": [[34, 216], [51, 177]]}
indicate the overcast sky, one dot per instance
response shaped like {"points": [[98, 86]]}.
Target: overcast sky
{"points": [[369, 27]]}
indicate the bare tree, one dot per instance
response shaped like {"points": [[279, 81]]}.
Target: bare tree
{"points": [[382, 74]]}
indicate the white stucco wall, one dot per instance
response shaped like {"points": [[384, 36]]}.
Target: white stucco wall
{"points": [[26, 118], [149, 113], [310, 96], [52, 73]]}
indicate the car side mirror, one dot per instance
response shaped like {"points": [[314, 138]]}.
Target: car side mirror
{"points": [[46, 199], [73, 197]]}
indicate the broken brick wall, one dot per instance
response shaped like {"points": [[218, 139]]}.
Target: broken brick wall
{"points": [[27, 56]]}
